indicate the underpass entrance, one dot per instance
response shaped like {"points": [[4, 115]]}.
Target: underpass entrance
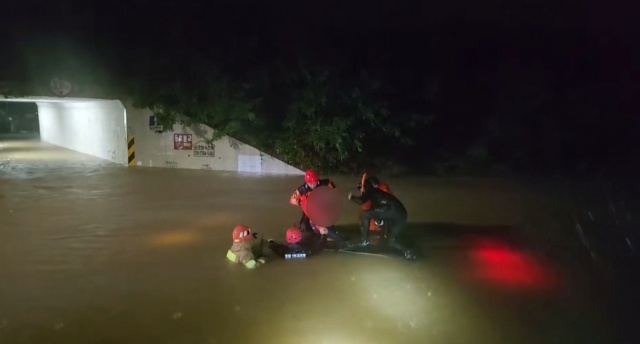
{"points": [[19, 118], [95, 127]]}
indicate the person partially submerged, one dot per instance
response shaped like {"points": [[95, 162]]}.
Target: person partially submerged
{"points": [[385, 207], [299, 244], [246, 248]]}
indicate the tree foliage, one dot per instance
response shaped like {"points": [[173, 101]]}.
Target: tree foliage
{"points": [[213, 102], [321, 121], [327, 124]]}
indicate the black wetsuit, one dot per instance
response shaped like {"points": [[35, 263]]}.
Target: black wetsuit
{"points": [[305, 226], [310, 244], [386, 207]]}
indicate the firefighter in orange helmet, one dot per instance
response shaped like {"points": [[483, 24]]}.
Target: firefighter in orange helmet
{"points": [[374, 225], [246, 248]]}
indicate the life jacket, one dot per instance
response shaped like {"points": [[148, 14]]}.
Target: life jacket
{"points": [[384, 187]]}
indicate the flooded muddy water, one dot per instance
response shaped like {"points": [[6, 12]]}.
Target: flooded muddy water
{"points": [[93, 252]]}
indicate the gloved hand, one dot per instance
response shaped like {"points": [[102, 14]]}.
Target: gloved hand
{"points": [[261, 260], [255, 235], [323, 230], [270, 241]]}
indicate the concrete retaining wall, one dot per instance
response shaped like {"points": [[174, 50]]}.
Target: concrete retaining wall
{"points": [[93, 127], [227, 154]]}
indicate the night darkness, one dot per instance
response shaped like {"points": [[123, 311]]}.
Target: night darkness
{"points": [[496, 87], [527, 91]]}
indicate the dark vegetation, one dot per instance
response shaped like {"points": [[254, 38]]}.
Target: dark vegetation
{"points": [[491, 89]]}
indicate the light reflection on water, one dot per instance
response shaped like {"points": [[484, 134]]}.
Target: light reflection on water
{"points": [[95, 252]]}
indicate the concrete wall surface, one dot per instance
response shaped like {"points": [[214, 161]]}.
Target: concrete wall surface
{"points": [[90, 126], [158, 149]]}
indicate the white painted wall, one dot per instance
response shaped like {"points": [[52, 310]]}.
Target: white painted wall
{"points": [[90, 126], [157, 149]]}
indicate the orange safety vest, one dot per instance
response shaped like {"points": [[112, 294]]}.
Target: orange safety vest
{"points": [[296, 198]]}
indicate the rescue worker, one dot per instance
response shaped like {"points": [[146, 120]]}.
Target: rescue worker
{"points": [[300, 245], [386, 207], [311, 181], [246, 248], [375, 225]]}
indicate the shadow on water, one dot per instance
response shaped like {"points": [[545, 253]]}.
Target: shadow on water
{"points": [[425, 237], [436, 235]]}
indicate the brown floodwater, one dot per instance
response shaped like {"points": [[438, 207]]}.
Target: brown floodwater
{"points": [[93, 252]]}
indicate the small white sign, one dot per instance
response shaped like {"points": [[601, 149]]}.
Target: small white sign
{"points": [[249, 163], [153, 124]]}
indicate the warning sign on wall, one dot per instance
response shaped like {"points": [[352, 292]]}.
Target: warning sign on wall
{"points": [[182, 142], [203, 150]]}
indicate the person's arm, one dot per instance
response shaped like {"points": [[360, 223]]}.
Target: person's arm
{"points": [[360, 200], [279, 249], [295, 198], [317, 246]]}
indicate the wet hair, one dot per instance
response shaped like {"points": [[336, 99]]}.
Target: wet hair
{"points": [[374, 180], [371, 178]]}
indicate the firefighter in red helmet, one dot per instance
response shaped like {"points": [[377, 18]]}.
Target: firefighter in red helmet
{"points": [[246, 248], [311, 181]]}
